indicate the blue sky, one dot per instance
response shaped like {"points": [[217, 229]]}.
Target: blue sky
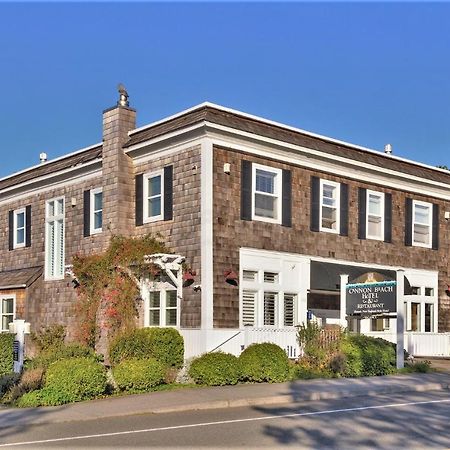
{"points": [[367, 73]]}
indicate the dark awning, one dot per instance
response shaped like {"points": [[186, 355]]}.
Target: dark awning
{"points": [[326, 276], [19, 278]]}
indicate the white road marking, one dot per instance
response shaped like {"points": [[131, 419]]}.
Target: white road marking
{"points": [[223, 422]]}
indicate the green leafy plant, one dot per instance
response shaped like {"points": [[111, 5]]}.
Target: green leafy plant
{"points": [[30, 380], [6, 353], [215, 369], [48, 337], [164, 344], [139, 375], [264, 362]]}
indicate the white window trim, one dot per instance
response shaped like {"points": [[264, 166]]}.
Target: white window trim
{"points": [[92, 211], [338, 206], [381, 195], [55, 218], [2, 297], [259, 288], [430, 224], [15, 214], [162, 309], [147, 176], [422, 299], [278, 192]]}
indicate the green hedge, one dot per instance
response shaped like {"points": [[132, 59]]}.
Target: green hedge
{"points": [[368, 356], [6, 353], [139, 375], [215, 369], [164, 344], [264, 362], [60, 352]]}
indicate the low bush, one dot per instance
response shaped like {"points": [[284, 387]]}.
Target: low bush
{"points": [[374, 356], [6, 353], [353, 366], [48, 337], [7, 382], [139, 375], [75, 379], [164, 344], [31, 380], [304, 370], [43, 397], [264, 362], [60, 352], [419, 366], [215, 369]]}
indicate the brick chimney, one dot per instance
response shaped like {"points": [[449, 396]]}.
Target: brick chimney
{"points": [[118, 170]]}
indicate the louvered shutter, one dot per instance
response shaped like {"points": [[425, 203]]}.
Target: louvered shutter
{"points": [[408, 222], [362, 213], [287, 199], [248, 308], [269, 308], [246, 190], [435, 228], [11, 230], [288, 305], [87, 213], [168, 193], [343, 231], [387, 217], [28, 226], [139, 193], [315, 204]]}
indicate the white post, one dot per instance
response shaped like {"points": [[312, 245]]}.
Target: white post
{"points": [[400, 319], [343, 310], [20, 328]]}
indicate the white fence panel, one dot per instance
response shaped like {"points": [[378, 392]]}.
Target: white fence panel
{"points": [[235, 340], [421, 344]]}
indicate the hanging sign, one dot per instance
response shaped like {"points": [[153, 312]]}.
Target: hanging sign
{"points": [[371, 294]]}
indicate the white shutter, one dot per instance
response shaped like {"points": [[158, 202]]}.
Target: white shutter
{"points": [[249, 275], [270, 277], [269, 308], [288, 311], [248, 308]]}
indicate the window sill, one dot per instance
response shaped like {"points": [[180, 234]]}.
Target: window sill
{"points": [[266, 219], [328, 230]]}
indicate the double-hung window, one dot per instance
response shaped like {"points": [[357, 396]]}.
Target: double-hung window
{"points": [[422, 224], [266, 193], [329, 206], [7, 311], [19, 228], [96, 212], [163, 308], [54, 238], [154, 196], [375, 215]]}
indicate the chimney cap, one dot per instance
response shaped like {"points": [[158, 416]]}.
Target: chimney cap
{"points": [[123, 96]]}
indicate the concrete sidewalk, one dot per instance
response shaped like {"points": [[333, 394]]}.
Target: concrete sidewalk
{"points": [[226, 397]]}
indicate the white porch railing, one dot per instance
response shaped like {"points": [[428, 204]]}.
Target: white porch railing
{"points": [[235, 340]]}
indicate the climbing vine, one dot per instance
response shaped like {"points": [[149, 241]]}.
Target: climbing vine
{"points": [[108, 290]]}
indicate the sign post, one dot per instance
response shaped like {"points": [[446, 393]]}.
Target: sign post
{"points": [[400, 319]]}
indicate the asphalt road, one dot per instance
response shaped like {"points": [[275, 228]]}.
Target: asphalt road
{"points": [[388, 422]]}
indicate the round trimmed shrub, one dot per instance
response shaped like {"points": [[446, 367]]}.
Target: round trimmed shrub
{"points": [[164, 344], [353, 364], [264, 362], [75, 379], [139, 375], [215, 369]]}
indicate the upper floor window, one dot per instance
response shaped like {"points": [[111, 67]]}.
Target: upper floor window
{"points": [[96, 212], [54, 239], [422, 223], [329, 206], [7, 311], [19, 228], [266, 193], [375, 215], [154, 196]]}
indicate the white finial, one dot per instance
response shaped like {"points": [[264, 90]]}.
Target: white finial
{"points": [[43, 157], [388, 149]]}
